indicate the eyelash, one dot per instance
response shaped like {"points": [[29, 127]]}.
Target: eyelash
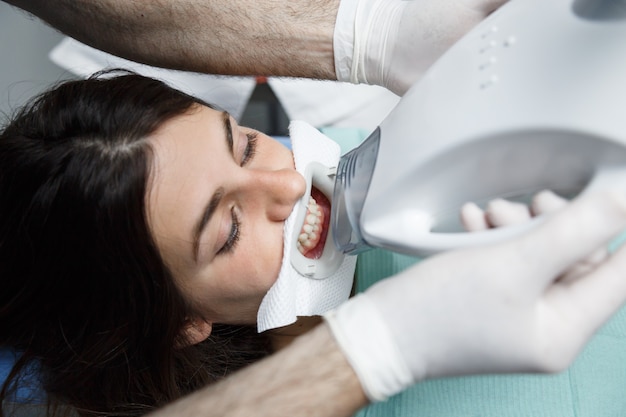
{"points": [[233, 236], [250, 150]]}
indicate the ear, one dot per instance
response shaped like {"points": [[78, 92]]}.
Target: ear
{"points": [[194, 331]]}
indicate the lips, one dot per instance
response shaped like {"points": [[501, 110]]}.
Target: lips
{"points": [[314, 231]]}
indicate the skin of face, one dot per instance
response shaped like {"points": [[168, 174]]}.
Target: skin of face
{"points": [[192, 164]]}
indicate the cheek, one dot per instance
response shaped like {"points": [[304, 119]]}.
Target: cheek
{"points": [[231, 289], [252, 269], [261, 261]]}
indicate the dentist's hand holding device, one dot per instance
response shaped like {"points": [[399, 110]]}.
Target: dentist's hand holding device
{"points": [[514, 314]]}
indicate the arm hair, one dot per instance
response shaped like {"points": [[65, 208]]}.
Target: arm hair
{"points": [[236, 37], [310, 378]]}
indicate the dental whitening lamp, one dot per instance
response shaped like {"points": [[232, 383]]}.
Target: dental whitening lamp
{"points": [[533, 98]]}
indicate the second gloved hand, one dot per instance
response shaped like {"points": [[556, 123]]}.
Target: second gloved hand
{"points": [[503, 308], [392, 42]]}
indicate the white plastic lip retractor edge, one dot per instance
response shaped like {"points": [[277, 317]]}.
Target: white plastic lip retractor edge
{"points": [[323, 178]]}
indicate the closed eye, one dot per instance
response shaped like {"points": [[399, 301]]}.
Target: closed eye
{"points": [[233, 236], [250, 150]]}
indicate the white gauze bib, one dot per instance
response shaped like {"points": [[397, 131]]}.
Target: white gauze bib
{"points": [[325, 282]]}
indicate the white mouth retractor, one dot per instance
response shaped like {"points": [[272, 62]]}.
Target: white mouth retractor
{"points": [[322, 177]]}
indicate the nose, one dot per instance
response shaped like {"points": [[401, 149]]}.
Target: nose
{"points": [[277, 191]]}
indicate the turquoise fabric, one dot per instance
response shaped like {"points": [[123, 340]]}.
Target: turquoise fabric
{"points": [[594, 386], [347, 138]]}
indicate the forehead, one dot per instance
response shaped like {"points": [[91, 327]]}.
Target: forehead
{"points": [[177, 139], [188, 154]]}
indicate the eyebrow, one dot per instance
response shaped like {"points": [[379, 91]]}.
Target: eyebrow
{"points": [[214, 202]]}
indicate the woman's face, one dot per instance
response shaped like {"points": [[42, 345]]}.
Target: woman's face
{"points": [[218, 197]]}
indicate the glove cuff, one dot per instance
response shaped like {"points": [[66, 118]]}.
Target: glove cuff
{"points": [[343, 39], [370, 348], [365, 34]]}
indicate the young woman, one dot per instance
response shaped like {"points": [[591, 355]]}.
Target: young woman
{"points": [[140, 229]]}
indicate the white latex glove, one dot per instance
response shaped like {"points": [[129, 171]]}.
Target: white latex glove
{"points": [[392, 42], [500, 213], [493, 309]]}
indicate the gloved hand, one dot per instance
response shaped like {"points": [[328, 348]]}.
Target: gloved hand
{"points": [[392, 42], [500, 308], [500, 213]]}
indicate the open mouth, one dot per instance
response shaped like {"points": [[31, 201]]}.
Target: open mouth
{"points": [[314, 231]]}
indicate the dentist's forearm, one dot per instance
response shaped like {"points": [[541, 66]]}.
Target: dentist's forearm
{"points": [[310, 378], [236, 37]]}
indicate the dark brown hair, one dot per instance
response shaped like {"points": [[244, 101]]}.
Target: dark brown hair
{"points": [[85, 296]]}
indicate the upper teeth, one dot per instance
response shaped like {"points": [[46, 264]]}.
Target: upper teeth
{"points": [[309, 235]]}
